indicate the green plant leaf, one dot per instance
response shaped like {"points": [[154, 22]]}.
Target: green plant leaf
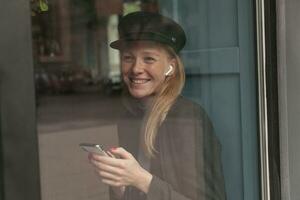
{"points": [[43, 6]]}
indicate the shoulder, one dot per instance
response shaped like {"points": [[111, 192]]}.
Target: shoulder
{"points": [[188, 118], [186, 108]]}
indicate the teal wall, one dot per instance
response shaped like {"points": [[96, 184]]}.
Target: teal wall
{"points": [[220, 67]]}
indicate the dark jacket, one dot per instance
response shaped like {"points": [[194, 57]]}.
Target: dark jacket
{"points": [[188, 163]]}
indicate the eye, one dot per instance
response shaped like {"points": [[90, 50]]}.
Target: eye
{"points": [[127, 58], [149, 59]]}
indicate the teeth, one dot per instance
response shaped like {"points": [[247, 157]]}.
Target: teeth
{"points": [[139, 81]]}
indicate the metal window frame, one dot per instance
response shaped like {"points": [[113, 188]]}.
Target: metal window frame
{"points": [[262, 100], [268, 99]]}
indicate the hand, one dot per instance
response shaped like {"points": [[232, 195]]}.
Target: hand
{"points": [[122, 171], [118, 191]]}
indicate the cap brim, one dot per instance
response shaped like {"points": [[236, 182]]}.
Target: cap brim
{"points": [[118, 44], [121, 43], [141, 36]]}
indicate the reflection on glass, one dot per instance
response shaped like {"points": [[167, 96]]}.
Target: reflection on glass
{"points": [[81, 97]]}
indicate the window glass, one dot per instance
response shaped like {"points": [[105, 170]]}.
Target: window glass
{"points": [[81, 96]]}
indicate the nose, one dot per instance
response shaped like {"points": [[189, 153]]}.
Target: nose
{"points": [[137, 66]]}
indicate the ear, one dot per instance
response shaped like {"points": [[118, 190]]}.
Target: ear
{"points": [[171, 67], [172, 62], [170, 70]]}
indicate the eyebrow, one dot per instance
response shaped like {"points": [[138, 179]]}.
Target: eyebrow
{"points": [[147, 52], [144, 52]]}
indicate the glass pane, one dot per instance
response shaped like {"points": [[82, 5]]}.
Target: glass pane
{"points": [[82, 98]]}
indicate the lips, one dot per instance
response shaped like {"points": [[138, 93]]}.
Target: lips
{"points": [[139, 80]]}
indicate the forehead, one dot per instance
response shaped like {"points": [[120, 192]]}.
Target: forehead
{"points": [[144, 46]]}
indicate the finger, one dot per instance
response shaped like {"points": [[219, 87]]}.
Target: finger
{"points": [[107, 168], [90, 156], [101, 158], [121, 152], [97, 156], [110, 154], [109, 161], [107, 175], [112, 183], [115, 162]]}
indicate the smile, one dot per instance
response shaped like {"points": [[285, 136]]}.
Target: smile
{"points": [[139, 81]]}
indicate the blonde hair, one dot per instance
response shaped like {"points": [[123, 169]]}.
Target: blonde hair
{"points": [[162, 103]]}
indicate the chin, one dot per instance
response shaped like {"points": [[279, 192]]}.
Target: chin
{"points": [[139, 94]]}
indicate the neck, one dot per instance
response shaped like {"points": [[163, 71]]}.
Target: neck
{"points": [[146, 101], [137, 105]]}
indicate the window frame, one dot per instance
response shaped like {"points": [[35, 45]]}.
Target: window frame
{"points": [[19, 142], [268, 99], [18, 29]]}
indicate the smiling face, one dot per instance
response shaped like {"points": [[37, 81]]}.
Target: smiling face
{"points": [[144, 65]]}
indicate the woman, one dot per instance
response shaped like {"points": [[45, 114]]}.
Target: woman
{"points": [[167, 147]]}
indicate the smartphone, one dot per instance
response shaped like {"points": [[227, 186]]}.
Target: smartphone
{"points": [[93, 148]]}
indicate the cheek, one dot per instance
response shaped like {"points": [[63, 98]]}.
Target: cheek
{"points": [[159, 70], [160, 75], [125, 70]]}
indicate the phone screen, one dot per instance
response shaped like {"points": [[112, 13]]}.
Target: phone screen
{"points": [[93, 148]]}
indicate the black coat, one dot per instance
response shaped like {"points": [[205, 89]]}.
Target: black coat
{"points": [[188, 163]]}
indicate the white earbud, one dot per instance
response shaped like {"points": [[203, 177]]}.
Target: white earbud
{"points": [[169, 71]]}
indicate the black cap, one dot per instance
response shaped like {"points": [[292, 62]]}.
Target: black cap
{"points": [[150, 26]]}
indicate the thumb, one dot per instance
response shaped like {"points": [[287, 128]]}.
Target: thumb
{"points": [[121, 152]]}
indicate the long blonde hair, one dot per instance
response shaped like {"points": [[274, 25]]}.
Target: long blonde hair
{"points": [[162, 103]]}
